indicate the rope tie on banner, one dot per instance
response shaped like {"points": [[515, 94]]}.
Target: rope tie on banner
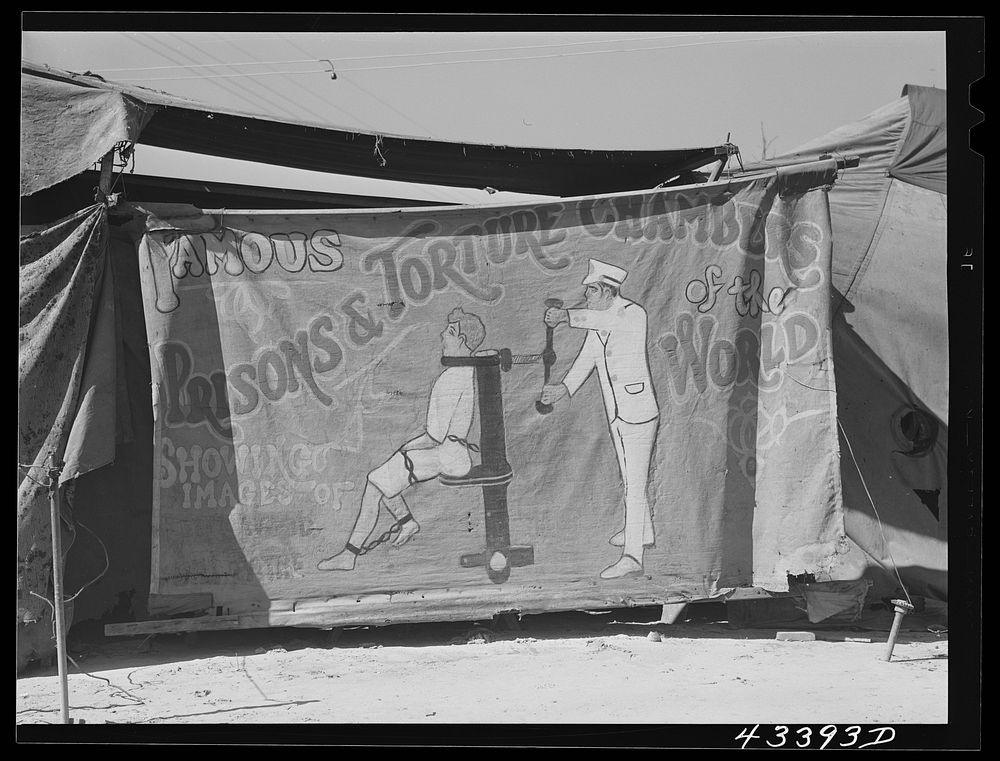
{"points": [[28, 475], [378, 151], [46, 464], [126, 152]]}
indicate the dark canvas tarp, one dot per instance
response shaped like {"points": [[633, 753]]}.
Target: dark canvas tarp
{"points": [[119, 112], [293, 353], [889, 216], [66, 382]]}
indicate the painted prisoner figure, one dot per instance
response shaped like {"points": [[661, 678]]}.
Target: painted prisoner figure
{"points": [[441, 449], [616, 347]]}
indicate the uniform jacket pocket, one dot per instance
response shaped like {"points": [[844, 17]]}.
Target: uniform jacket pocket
{"points": [[635, 388]]}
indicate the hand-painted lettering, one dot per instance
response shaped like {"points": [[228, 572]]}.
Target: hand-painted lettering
{"points": [[663, 216], [692, 352], [175, 257], [282, 369], [192, 399], [362, 328]]}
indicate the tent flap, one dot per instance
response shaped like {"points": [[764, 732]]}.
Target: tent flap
{"points": [[923, 156]]}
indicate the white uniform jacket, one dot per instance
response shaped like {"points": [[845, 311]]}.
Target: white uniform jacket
{"points": [[616, 346]]}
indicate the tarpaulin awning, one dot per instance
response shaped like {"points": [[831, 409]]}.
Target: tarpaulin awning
{"points": [[187, 125]]}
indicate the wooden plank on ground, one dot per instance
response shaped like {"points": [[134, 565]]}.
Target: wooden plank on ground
{"points": [[175, 625], [165, 606]]}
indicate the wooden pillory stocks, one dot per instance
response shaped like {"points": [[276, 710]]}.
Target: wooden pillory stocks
{"points": [[494, 473]]}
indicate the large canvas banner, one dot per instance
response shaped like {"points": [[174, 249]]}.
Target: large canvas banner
{"points": [[546, 406]]}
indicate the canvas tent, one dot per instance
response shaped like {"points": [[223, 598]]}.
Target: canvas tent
{"points": [[87, 270], [889, 217]]}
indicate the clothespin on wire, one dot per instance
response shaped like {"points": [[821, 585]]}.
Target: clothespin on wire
{"points": [[333, 71]]}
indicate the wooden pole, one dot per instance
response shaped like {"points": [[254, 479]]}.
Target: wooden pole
{"points": [[717, 172], [107, 165], [902, 607], [57, 584]]}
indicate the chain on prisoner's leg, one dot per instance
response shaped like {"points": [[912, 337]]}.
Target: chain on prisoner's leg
{"points": [[408, 525], [363, 527]]}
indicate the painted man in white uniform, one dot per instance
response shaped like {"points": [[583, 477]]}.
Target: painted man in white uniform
{"points": [[616, 347], [440, 449]]}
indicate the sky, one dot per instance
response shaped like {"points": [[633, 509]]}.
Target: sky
{"points": [[635, 90]]}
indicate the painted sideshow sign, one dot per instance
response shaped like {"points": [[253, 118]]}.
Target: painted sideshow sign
{"points": [[587, 397]]}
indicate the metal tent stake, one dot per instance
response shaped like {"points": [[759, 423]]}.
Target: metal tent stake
{"points": [[902, 608], [57, 584]]}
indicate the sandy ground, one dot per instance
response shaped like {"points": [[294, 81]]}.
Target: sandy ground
{"points": [[577, 667]]}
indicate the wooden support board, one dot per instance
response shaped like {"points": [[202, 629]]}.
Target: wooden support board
{"points": [[177, 625], [399, 608]]}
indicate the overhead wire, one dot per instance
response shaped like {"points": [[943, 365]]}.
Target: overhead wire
{"points": [[429, 132], [390, 55], [587, 52], [231, 91], [473, 60], [310, 94], [266, 99]]}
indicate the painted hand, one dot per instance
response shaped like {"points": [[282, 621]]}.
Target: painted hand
{"points": [[553, 392], [554, 316]]}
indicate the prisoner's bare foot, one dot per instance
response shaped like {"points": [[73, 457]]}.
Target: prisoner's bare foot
{"points": [[626, 566], [406, 532], [342, 561]]}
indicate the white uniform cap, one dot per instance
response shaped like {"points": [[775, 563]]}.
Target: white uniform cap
{"points": [[602, 272]]}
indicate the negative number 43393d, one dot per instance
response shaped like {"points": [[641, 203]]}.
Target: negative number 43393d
{"points": [[829, 735]]}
